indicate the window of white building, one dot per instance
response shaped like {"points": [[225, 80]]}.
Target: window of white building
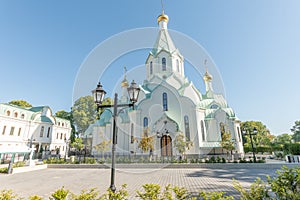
{"points": [[202, 130], [12, 130], [4, 129], [15, 114], [164, 64], [48, 132], [187, 128], [151, 67], [42, 131], [165, 101], [19, 132]]}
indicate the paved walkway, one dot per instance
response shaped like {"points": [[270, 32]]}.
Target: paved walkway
{"points": [[44, 182]]}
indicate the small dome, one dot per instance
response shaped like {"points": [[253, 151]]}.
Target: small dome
{"points": [[162, 17], [207, 76], [125, 83]]}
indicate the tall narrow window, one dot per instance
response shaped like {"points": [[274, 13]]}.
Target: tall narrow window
{"points": [[15, 114], [164, 64], [8, 113], [239, 133], [57, 135], [145, 122], [165, 101], [61, 136], [131, 134], [151, 67], [202, 130], [222, 130], [42, 131], [187, 128], [12, 130], [48, 132], [177, 65], [19, 132], [22, 116], [3, 131]]}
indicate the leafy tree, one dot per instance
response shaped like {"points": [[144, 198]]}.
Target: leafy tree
{"points": [[68, 116], [280, 141], [84, 113], [103, 145], [263, 138], [182, 145], [146, 143], [296, 130], [77, 144], [226, 142], [21, 103]]}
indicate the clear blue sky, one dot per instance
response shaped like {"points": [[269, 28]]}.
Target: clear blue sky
{"points": [[255, 44]]}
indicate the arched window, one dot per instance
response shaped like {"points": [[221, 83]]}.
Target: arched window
{"points": [[131, 134], [222, 129], [62, 124], [8, 113], [164, 64], [48, 132], [202, 130], [239, 133], [151, 67], [187, 128], [15, 114], [177, 65], [145, 122], [61, 136], [42, 131], [165, 101], [22, 116]]}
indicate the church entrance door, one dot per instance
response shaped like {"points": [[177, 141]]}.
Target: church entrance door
{"points": [[166, 146]]}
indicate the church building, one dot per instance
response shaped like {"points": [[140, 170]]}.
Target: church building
{"points": [[169, 105]]}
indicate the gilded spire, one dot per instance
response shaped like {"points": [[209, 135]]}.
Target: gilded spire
{"points": [[125, 82], [207, 76], [162, 17]]}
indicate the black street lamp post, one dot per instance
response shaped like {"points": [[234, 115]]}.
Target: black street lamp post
{"points": [[99, 94], [254, 132]]}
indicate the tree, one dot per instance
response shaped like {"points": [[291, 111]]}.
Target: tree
{"points": [[262, 140], [21, 103], [103, 145], [77, 144], [296, 130], [68, 116], [84, 113], [182, 145], [280, 141], [146, 143], [226, 142]]}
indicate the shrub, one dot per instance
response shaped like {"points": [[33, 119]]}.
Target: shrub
{"points": [[214, 196], [121, 194], [287, 184], [60, 194], [8, 195], [4, 170], [258, 190], [19, 164], [86, 195], [35, 197]]}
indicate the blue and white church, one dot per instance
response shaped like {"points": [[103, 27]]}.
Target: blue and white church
{"points": [[169, 104]]}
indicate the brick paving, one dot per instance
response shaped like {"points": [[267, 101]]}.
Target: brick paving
{"points": [[44, 182]]}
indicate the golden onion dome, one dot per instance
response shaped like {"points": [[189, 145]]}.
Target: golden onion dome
{"points": [[124, 83], [207, 76], [162, 17]]}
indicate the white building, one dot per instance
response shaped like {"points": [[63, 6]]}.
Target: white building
{"points": [[169, 104], [22, 127]]}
